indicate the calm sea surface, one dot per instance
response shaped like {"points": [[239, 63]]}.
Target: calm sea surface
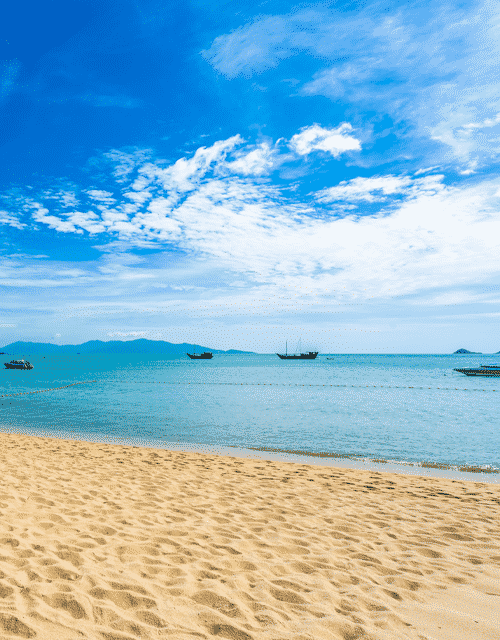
{"points": [[405, 408]]}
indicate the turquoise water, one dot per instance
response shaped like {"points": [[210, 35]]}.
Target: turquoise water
{"points": [[404, 408]]}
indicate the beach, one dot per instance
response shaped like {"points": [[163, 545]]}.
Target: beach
{"points": [[104, 541]]}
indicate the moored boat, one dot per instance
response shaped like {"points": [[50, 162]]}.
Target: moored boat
{"points": [[18, 364], [485, 370], [310, 355], [206, 355]]}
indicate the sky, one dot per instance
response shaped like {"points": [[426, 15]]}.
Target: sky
{"points": [[241, 174]]}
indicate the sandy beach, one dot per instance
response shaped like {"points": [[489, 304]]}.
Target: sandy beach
{"points": [[114, 542]]}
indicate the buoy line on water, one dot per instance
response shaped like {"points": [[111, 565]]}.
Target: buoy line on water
{"points": [[254, 384], [26, 393], [282, 384]]}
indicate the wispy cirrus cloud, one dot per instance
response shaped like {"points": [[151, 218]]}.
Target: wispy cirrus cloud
{"points": [[378, 188], [10, 219], [9, 73], [436, 70], [126, 334], [252, 48], [124, 161]]}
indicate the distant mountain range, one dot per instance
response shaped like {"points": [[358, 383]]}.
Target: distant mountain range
{"points": [[157, 347]]}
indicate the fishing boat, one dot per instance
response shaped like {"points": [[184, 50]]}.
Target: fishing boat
{"points": [[206, 355], [486, 370], [18, 364], [310, 355]]}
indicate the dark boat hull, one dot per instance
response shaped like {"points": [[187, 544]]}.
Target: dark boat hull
{"points": [[487, 373], [8, 365], [303, 356], [200, 356]]}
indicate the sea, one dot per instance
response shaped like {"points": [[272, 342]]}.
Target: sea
{"points": [[412, 410]]}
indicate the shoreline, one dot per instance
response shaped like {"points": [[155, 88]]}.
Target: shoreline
{"points": [[107, 541], [341, 461]]}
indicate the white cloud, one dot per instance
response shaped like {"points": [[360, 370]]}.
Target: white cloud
{"points": [[89, 221], [436, 70], [376, 189], [251, 48], [485, 124], [28, 256], [362, 189], [257, 162], [139, 197], [425, 234], [10, 219], [420, 171], [184, 174], [316, 138], [68, 199], [65, 197], [125, 162], [125, 334], [105, 197], [41, 214], [4, 326]]}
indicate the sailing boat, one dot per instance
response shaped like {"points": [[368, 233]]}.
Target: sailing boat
{"points": [[310, 355], [206, 355]]}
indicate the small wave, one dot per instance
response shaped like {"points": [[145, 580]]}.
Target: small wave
{"points": [[468, 468]]}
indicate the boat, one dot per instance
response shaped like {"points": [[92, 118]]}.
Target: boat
{"points": [[18, 364], [310, 355], [486, 370], [206, 355]]}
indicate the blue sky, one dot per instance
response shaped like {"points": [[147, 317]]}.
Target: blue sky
{"points": [[238, 174]]}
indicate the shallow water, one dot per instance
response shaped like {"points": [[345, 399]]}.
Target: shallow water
{"points": [[402, 408]]}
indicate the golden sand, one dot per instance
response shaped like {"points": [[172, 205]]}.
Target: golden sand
{"points": [[114, 542]]}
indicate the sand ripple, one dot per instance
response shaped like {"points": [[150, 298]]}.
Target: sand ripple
{"points": [[111, 542]]}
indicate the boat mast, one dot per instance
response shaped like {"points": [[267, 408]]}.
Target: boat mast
{"points": [[299, 345]]}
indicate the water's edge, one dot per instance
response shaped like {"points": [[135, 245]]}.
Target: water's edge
{"points": [[261, 453]]}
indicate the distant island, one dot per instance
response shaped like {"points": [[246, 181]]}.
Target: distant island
{"points": [[154, 347], [458, 351]]}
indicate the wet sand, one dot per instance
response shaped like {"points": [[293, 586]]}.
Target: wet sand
{"points": [[113, 542]]}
